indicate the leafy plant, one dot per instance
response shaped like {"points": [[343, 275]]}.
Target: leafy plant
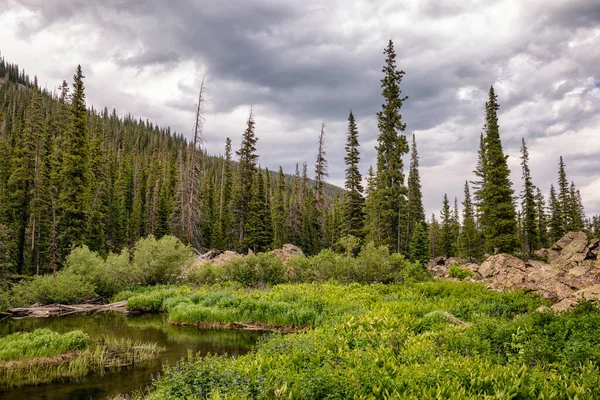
{"points": [[456, 271]]}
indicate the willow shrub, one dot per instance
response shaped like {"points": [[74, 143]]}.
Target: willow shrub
{"points": [[65, 288], [160, 261]]}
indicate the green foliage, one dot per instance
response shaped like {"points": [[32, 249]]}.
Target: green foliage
{"points": [[65, 288], [255, 270], [498, 215], [89, 266], [160, 261], [419, 244], [456, 271], [40, 343], [387, 210], [354, 200], [427, 340]]}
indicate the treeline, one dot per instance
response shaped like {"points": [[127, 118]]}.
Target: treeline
{"points": [[496, 220], [71, 176]]}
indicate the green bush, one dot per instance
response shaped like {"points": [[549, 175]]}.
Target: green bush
{"points": [[160, 261], [455, 271], [206, 274], [93, 269], [66, 288], [40, 343], [254, 270]]}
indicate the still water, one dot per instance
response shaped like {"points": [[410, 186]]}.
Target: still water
{"points": [[178, 341]]}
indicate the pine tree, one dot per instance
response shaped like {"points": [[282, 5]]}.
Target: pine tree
{"points": [[373, 209], [556, 220], [354, 202], [296, 211], [564, 199], [531, 239], [434, 236], [391, 190], [257, 236], [74, 196], [576, 212], [541, 218], [419, 244], [469, 236], [320, 174], [447, 240], [456, 228], [225, 198], [21, 184], [498, 209], [247, 169], [479, 172], [416, 211], [279, 214]]}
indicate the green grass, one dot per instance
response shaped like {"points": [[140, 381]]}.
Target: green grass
{"points": [[439, 339], [40, 343], [44, 356]]}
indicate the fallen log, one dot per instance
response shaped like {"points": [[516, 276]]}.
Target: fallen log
{"points": [[60, 310]]}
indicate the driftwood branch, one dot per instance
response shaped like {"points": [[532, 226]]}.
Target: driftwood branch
{"points": [[60, 310]]}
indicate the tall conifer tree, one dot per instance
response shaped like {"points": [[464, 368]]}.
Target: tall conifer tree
{"points": [[354, 201], [74, 195], [497, 206], [416, 211], [531, 239], [391, 191]]}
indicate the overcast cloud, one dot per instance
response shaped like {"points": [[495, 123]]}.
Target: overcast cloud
{"points": [[301, 62]]}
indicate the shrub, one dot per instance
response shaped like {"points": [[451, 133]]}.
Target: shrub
{"points": [[455, 271], [66, 288], [160, 261], [206, 274], [254, 270], [91, 268]]}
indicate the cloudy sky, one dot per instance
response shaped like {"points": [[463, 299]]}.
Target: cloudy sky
{"points": [[301, 62]]}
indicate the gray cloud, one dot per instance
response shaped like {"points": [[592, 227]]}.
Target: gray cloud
{"points": [[303, 62]]}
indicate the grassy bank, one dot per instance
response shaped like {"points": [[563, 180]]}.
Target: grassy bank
{"points": [[43, 356], [424, 340]]}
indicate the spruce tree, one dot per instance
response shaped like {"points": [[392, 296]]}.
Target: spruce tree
{"points": [[541, 218], [74, 195], [497, 206], [564, 198], [279, 214], [469, 236], [295, 211], [416, 211], [447, 240], [246, 170], [419, 244], [576, 212], [556, 221], [391, 190], [434, 236], [373, 209], [354, 202], [479, 183], [257, 236], [531, 239]]}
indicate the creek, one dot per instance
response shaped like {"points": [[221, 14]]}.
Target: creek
{"points": [[179, 342]]}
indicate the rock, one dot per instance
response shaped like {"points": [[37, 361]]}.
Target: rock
{"points": [[591, 293], [225, 257], [570, 250], [503, 269], [288, 251], [541, 254], [565, 305]]}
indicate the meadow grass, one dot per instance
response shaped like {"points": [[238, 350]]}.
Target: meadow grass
{"points": [[436, 339], [40, 364]]}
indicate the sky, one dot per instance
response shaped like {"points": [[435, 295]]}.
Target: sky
{"points": [[299, 63]]}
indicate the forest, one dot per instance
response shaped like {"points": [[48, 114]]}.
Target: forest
{"points": [[97, 206]]}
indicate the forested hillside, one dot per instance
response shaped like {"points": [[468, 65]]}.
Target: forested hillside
{"points": [[71, 176]]}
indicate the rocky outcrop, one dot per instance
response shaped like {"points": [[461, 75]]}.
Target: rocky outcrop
{"points": [[570, 270], [288, 251]]}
